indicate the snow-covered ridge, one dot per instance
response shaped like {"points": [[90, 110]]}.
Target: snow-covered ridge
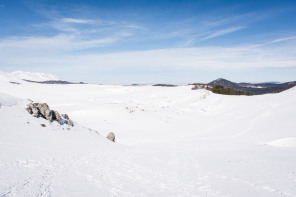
{"points": [[18, 76]]}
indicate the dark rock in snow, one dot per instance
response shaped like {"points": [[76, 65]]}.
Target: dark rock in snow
{"points": [[67, 120], [29, 108], [111, 136], [49, 115], [43, 110], [57, 117], [65, 116], [33, 109], [43, 125], [70, 123]]}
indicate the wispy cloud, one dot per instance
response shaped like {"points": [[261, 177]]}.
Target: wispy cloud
{"points": [[88, 23], [192, 31], [242, 18], [132, 26], [76, 20], [282, 40], [223, 32], [55, 51], [62, 43], [78, 40]]}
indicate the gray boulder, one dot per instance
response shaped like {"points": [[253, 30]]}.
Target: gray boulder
{"points": [[49, 115], [29, 108], [43, 110], [111, 136], [67, 120], [70, 123], [35, 111], [43, 107], [57, 117], [65, 116]]}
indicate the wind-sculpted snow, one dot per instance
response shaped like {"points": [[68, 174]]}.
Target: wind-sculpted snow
{"points": [[169, 142]]}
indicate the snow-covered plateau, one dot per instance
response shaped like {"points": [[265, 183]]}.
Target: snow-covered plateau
{"points": [[170, 141]]}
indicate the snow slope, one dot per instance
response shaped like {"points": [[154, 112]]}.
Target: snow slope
{"points": [[6, 100], [171, 141]]}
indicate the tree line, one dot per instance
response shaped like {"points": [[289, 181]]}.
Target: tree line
{"points": [[219, 89]]}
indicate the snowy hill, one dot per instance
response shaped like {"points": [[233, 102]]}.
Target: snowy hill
{"points": [[36, 159], [170, 142], [258, 88], [18, 76]]}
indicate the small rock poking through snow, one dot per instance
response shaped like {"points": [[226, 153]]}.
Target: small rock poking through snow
{"points": [[43, 110], [111, 136]]}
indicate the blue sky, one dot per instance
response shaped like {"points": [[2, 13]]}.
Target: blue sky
{"points": [[141, 41]]}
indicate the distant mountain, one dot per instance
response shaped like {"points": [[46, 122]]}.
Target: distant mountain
{"points": [[19, 76], [34, 76], [52, 82], [223, 82], [164, 85], [259, 88]]}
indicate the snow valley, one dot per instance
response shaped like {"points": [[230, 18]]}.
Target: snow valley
{"points": [[170, 141]]}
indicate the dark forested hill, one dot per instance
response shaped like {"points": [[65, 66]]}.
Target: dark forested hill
{"points": [[259, 88]]}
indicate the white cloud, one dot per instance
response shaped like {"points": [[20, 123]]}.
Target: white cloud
{"points": [[243, 18], [282, 40], [56, 45], [76, 20], [191, 58], [135, 27], [50, 52], [224, 32]]}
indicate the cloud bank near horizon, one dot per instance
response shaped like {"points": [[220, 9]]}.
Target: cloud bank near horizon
{"points": [[57, 51]]}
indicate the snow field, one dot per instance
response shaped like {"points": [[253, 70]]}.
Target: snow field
{"points": [[170, 141]]}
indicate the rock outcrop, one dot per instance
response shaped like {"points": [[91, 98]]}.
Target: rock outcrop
{"points": [[65, 116], [42, 110], [111, 136], [67, 120]]}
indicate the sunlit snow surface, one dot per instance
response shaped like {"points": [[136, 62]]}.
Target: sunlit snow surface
{"points": [[170, 141]]}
